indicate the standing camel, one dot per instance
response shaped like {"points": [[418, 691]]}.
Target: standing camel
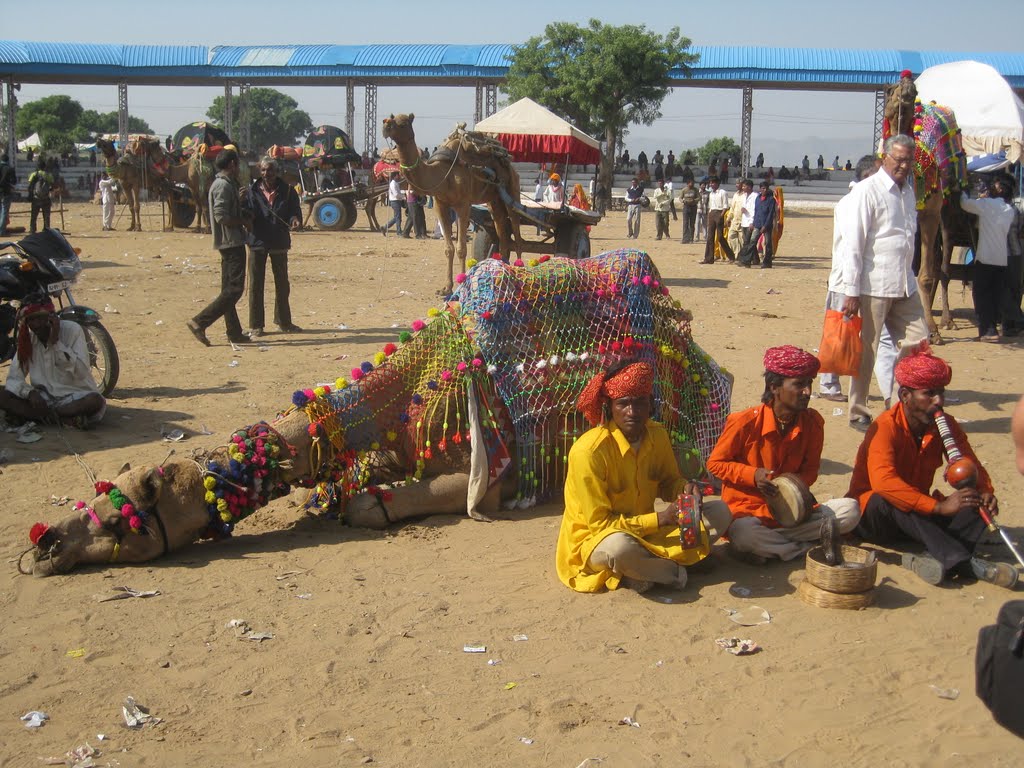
{"points": [[458, 177], [940, 171], [142, 166], [198, 172]]}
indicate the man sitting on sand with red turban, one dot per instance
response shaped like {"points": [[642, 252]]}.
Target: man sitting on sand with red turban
{"points": [[780, 436], [612, 535], [50, 376], [895, 468]]}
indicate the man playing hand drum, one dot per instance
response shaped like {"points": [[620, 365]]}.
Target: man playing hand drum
{"points": [[780, 436], [611, 533], [895, 468]]}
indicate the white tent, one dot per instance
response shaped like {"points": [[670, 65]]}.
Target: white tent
{"points": [[990, 115], [533, 133], [31, 142]]}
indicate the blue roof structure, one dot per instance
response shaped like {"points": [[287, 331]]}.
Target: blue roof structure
{"points": [[440, 64]]}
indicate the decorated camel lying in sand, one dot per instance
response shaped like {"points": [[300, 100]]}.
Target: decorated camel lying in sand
{"points": [[940, 171], [466, 169], [487, 383]]}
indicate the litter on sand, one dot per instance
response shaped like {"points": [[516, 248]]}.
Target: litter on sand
{"points": [[520, 638], [737, 647], [472, 648], [243, 632], [943, 693], [122, 593], [34, 719], [136, 715], [751, 616], [627, 720]]}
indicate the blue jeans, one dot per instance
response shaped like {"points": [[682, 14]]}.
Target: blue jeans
{"points": [[396, 218]]}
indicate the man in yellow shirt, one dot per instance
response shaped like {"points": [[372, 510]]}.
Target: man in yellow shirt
{"points": [[612, 535]]}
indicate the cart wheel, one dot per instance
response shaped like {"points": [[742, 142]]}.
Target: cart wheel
{"points": [[483, 244], [329, 213], [349, 213]]}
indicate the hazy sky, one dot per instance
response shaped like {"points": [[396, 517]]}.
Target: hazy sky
{"points": [[786, 125]]}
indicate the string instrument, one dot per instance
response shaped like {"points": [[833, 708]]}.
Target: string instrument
{"points": [[962, 472]]}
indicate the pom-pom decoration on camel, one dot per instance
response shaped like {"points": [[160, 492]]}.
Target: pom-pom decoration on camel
{"points": [[472, 406]]}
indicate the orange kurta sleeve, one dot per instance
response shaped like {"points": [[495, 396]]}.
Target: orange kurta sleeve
{"points": [[751, 441]]}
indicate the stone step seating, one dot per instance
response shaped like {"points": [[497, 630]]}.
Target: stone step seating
{"points": [[70, 174]]}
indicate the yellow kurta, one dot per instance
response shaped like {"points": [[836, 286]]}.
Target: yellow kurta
{"points": [[610, 488]]}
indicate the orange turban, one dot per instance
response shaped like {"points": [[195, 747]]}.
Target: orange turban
{"points": [[791, 362], [636, 380], [923, 370]]}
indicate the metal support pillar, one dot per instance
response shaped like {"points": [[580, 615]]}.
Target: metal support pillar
{"points": [[370, 129], [490, 100], [244, 119], [350, 107], [10, 110], [879, 117], [229, 117], [746, 120], [122, 114], [478, 112]]}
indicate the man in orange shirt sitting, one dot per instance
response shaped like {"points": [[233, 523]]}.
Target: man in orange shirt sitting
{"points": [[895, 467], [779, 436]]}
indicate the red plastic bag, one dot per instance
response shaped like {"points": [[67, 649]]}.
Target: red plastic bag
{"points": [[840, 348]]}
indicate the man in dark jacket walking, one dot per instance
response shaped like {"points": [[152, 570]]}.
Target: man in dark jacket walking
{"points": [[276, 210], [228, 223]]}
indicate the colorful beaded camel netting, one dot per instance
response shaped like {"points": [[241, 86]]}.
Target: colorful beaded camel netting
{"points": [[940, 164], [522, 341]]}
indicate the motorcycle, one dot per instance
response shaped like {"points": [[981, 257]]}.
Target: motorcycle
{"points": [[45, 264]]}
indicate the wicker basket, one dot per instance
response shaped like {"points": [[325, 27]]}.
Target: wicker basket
{"points": [[813, 595], [845, 581]]}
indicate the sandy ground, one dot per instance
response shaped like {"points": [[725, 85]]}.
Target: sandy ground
{"points": [[367, 663]]}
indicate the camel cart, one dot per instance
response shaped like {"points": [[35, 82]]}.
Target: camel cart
{"points": [[534, 134], [564, 229], [327, 175]]}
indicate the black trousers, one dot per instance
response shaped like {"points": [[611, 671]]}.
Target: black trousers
{"points": [[44, 206], [950, 540], [257, 282], [689, 220], [232, 286], [716, 231], [990, 290]]}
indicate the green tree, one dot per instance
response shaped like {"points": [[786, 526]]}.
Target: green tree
{"points": [[57, 143], [56, 113], [92, 123], [274, 118], [716, 149], [601, 78]]}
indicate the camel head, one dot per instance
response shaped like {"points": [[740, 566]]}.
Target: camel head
{"points": [[106, 148], [398, 128], [899, 105], [142, 514]]}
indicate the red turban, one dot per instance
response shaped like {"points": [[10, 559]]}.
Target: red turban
{"points": [[791, 362], [923, 370], [636, 380], [44, 307], [906, 73]]}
